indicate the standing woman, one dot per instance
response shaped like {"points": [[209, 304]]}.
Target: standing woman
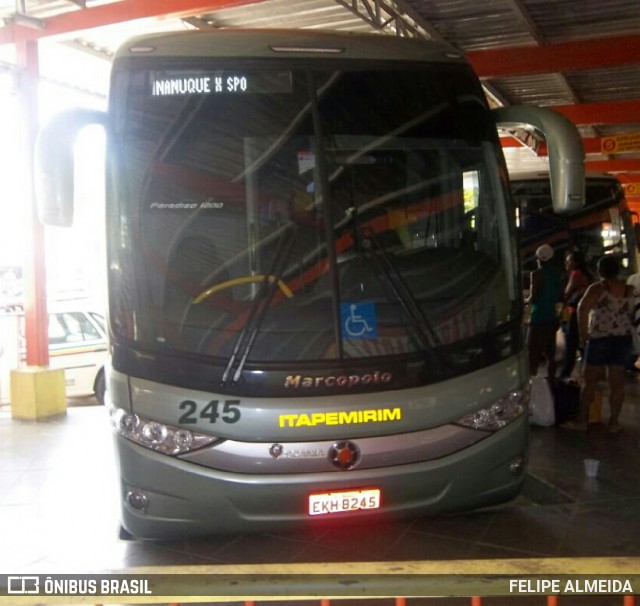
{"points": [[578, 279], [605, 327]]}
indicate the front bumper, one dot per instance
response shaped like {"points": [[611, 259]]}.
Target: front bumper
{"points": [[179, 499]]}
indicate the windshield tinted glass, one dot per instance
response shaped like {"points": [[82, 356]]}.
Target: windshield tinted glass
{"points": [[603, 227], [297, 215]]}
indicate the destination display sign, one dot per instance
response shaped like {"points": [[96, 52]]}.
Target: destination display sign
{"points": [[186, 83]]}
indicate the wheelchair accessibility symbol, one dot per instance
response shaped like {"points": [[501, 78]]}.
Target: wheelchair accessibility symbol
{"points": [[359, 320]]}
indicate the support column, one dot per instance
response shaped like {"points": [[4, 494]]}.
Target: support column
{"points": [[36, 391]]}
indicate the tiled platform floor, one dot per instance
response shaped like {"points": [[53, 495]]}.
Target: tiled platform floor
{"points": [[59, 511]]}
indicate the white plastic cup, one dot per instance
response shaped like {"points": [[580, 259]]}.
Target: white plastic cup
{"points": [[591, 467]]}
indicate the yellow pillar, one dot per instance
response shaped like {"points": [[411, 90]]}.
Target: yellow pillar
{"points": [[37, 392]]}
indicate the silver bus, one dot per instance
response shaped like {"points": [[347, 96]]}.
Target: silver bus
{"points": [[315, 307]]}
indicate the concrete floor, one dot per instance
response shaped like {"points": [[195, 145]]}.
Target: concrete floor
{"points": [[59, 510]]}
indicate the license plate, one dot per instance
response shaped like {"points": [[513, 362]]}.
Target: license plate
{"points": [[326, 503]]}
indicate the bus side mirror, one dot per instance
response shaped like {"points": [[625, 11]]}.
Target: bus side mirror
{"points": [[565, 149], [54, 164]]}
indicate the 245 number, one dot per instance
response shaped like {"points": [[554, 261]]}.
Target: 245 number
{"points": [[228, 411]]}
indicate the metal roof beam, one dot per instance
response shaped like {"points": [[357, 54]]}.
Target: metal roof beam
{"points": [[556, 57], [384, 15], [116, 12], [523, 14], [610, 112], [406, 8], [631, 165], [592, 145]]}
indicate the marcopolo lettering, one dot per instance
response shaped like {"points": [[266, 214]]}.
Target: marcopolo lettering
{"points": [[304, 382]]}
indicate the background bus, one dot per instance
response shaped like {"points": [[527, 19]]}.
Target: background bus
{"points": [[605, 226], [315, 306]]}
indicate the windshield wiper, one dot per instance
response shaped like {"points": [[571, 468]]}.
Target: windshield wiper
{"points": [[264, 296], [423, 333]]}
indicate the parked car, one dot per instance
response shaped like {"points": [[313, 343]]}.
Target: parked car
{"points": [[78, 344]]}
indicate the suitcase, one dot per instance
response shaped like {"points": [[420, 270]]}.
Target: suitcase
{"points": [[566, 400]]}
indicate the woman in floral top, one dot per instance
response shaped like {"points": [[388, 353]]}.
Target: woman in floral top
{"points": [[605, 324]]}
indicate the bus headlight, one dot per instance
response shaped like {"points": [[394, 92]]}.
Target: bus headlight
{"points": [[499, 414], [157, 436]]}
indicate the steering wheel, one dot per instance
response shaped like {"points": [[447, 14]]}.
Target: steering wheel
{"points": [[241, 280]]}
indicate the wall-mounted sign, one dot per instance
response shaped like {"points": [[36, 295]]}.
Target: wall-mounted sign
{"points": [[632, 189], [618, 144]]}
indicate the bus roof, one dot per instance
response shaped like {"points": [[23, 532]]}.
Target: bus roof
{"points": [[256, 43]]}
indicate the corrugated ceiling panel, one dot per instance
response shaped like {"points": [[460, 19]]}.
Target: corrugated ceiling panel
{"points": [[325, 14], [521, 160], [574, 19], [546, 89], [46, 8], [598, 85], [619, 129], [471, 25], [110, 37]]}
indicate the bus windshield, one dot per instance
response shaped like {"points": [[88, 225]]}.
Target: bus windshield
{"points": [[603, 227], [292, 214]]}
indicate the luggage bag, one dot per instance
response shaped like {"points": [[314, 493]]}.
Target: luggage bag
{"points": [[566, 399]]}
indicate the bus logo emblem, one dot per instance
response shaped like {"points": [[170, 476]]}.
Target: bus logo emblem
{"points": [[344, 455], [276, 450]]}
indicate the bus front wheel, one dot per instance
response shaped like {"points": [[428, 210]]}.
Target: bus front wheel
{"points": [[100, 387]]}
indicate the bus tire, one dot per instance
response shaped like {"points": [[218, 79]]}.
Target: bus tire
{"points": [[100, 387]]}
